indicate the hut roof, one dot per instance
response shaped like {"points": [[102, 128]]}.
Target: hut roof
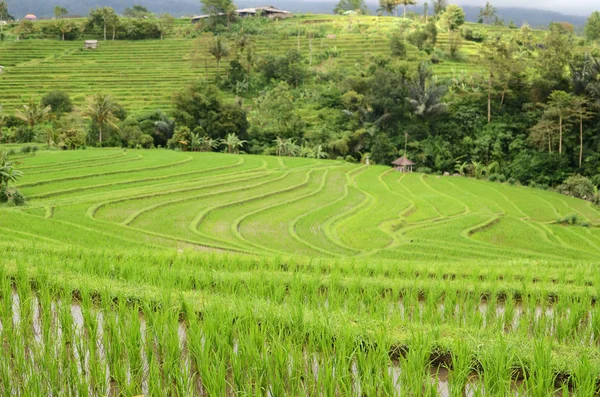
{"points": [[30, 17], [402, 161]]}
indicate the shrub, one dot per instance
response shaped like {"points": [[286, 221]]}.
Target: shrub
{"points": [[577, 186], [570, 219], [17, 198], [512, 181], [398, 46], [424, 170]]}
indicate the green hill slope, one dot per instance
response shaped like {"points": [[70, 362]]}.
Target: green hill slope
{"points": [[303, 207], [143, 75]]}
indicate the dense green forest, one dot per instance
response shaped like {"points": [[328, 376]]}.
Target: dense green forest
{"points": [[530, 116]]}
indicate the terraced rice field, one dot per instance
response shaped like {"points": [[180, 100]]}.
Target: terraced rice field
{"points": [[169, 273], [143, 75]]}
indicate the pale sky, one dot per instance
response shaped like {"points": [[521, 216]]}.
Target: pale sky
{"points": [[571, 7]]}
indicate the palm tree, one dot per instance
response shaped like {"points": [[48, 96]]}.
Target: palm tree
{"points": [[488, 13], [425, 94], [33, 114], [439, 6], [219, 49], [101, 109], [405, 3], [387, 6], [233, 143]]}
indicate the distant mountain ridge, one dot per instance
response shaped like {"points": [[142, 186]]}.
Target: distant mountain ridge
{"points": [[19, 8]]}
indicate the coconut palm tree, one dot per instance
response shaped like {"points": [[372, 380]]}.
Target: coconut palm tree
{"points": [[101, 109], [425, 94], [405, 3], [488, 13], [33, 114], [387, 6], [219, 49], [233, 143]]}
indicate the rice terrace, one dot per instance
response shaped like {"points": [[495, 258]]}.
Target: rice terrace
{"points": [[397, 201]]}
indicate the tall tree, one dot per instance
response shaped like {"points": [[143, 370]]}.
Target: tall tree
{"points": [[166, 22], [137, 11], [215, 7], [592, 28], [350, 5], [404, 4], [453, 17], [219, 49], [439, 6], [101, 109], [581, 110], [488, 13], [4, 14], [60, 12], [562, 104], [497, 56], [554, 55], [104, 17], [387, 6]]}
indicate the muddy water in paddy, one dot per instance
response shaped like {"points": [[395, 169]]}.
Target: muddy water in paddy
{"points": [[440, 377]]}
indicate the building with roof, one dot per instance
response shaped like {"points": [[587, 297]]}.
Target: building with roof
{"points": [[403, 164], [30, 17], [262, 11]]}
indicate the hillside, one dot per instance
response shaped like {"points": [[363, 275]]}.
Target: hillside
{"points": [[163, 67], [257, 264], [291, 206]]}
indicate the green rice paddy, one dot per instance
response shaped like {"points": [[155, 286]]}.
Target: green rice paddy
{"points": [[168, 273], [143, 75]]}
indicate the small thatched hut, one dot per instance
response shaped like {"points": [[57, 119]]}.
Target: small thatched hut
{"points": [[403, 164], [91, 44]]}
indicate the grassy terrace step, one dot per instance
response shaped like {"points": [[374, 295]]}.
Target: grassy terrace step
{"points": [[239, 201]]}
